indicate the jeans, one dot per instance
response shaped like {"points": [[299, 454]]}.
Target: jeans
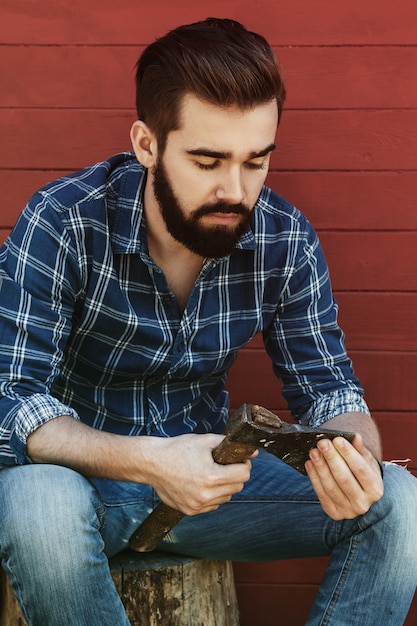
{"points": [[57, 529]]}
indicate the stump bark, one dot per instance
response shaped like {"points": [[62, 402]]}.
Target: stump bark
{"points": [[160, 589]]}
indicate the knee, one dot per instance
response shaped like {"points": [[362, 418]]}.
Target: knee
{"points": [[44, 505], [399, 506], [400, 489]]}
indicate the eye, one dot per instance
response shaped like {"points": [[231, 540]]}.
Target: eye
{"points": [[257, 166], [208, 166]]}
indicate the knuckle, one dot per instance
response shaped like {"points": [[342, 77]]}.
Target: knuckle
{"points": [[344, 479], [332, 492], [362, 508]]}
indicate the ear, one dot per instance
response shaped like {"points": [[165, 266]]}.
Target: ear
{"points": [[144, 144]]}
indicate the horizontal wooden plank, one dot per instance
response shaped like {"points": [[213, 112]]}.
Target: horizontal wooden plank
{"points": [[17, 186], [270, 604], [299, 571], [371, 261], [386, 378], [351, 200], [322, 23], [399, 437], [60, 138], [3, 234], [379, 321], [349, 77], [347, 140], [307, 140], [103, 76], [331, 200], [94, 77]]}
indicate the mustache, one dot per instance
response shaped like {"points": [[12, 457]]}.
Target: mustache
{"points": [[221, 207]]}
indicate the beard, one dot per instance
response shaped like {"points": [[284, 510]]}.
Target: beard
{"points": [[212, 242]]}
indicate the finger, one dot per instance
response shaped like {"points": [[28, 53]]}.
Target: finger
{"points": [[358, 443], [331, 497], [362, 464], [234, 472], [334, 464], [343, 460], [214, 501], [353, 474]]}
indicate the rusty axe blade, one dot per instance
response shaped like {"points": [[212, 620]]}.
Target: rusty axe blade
{"points": [[256, 426], [249, 428]]}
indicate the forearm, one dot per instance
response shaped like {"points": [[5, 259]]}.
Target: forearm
{"points": [[69, 442], [180, 469], [359, 423]]}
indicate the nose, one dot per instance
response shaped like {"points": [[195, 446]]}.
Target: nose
{"points": [[231, 188]]}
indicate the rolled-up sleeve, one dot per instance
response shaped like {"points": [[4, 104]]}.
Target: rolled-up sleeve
{"points": [[305, 342], [24, 418], [39, 276]]}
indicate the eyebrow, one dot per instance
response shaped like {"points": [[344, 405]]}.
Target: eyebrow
{"points": [[214, 154]]}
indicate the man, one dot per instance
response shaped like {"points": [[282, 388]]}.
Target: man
{"points": [[127, 290]]}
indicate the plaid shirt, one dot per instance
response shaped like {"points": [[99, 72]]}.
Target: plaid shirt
{"points": [[89, 327]]}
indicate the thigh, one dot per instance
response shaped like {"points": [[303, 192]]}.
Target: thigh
{"points": [[126, 505], [42, 504], [39, 501], [276, 516], [52, 548]]}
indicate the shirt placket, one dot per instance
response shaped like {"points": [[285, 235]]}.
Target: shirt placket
{"points": [[157, 392]]}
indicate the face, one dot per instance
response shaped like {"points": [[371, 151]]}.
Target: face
{"points": [[211, 173], [214, 240]]}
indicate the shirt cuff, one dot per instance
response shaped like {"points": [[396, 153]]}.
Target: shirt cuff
{"points": [[330, 405], [34, 411]]}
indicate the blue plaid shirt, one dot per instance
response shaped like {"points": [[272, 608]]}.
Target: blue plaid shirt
{"points": [[89, 327]]}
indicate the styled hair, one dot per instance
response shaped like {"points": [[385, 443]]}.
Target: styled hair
{"points": [[217, 60]]}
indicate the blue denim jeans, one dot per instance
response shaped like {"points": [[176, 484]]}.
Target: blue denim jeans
{"points": [[57, 529]]}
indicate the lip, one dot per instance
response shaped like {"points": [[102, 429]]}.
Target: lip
{"points": [[223, 218]]}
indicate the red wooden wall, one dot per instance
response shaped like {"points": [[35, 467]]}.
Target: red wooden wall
{"points": [[347, 157]]}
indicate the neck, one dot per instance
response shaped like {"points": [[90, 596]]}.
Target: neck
{"points": [[162, 246], [180, 266]]}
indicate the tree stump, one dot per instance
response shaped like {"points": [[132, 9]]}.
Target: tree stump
{"points": [[10, 614], [160, 589]]}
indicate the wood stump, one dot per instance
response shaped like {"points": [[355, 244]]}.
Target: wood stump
{"points": [[160, 589]]}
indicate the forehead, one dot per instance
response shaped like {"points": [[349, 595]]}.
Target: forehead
{"points": [[224, 129]]}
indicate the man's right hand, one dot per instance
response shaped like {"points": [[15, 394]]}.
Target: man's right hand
{"points": [[187, 478]]}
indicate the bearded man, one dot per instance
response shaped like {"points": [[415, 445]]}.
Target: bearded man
{"points": [[127, 290]]}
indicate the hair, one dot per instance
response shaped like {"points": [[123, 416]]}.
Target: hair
{"points": [[217, 60]]}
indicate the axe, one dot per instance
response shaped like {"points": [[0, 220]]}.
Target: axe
{"points": [[249, 428]]}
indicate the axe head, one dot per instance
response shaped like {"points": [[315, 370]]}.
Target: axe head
{"points": [[255, 426]]}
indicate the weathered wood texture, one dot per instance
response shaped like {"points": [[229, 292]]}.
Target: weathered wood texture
{"points": [[346, 157], [10, 614], [160, 590]]}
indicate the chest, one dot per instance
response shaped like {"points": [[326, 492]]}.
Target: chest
{"points": [[129, 321], [181, 277]]}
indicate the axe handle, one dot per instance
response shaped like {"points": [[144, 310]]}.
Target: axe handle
{"points": [[154, 528]]}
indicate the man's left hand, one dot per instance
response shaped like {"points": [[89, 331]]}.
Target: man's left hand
{"points": [[346, 477]]}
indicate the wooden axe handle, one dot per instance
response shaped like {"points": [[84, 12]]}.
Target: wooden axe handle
{"points": [[154, 528]]}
